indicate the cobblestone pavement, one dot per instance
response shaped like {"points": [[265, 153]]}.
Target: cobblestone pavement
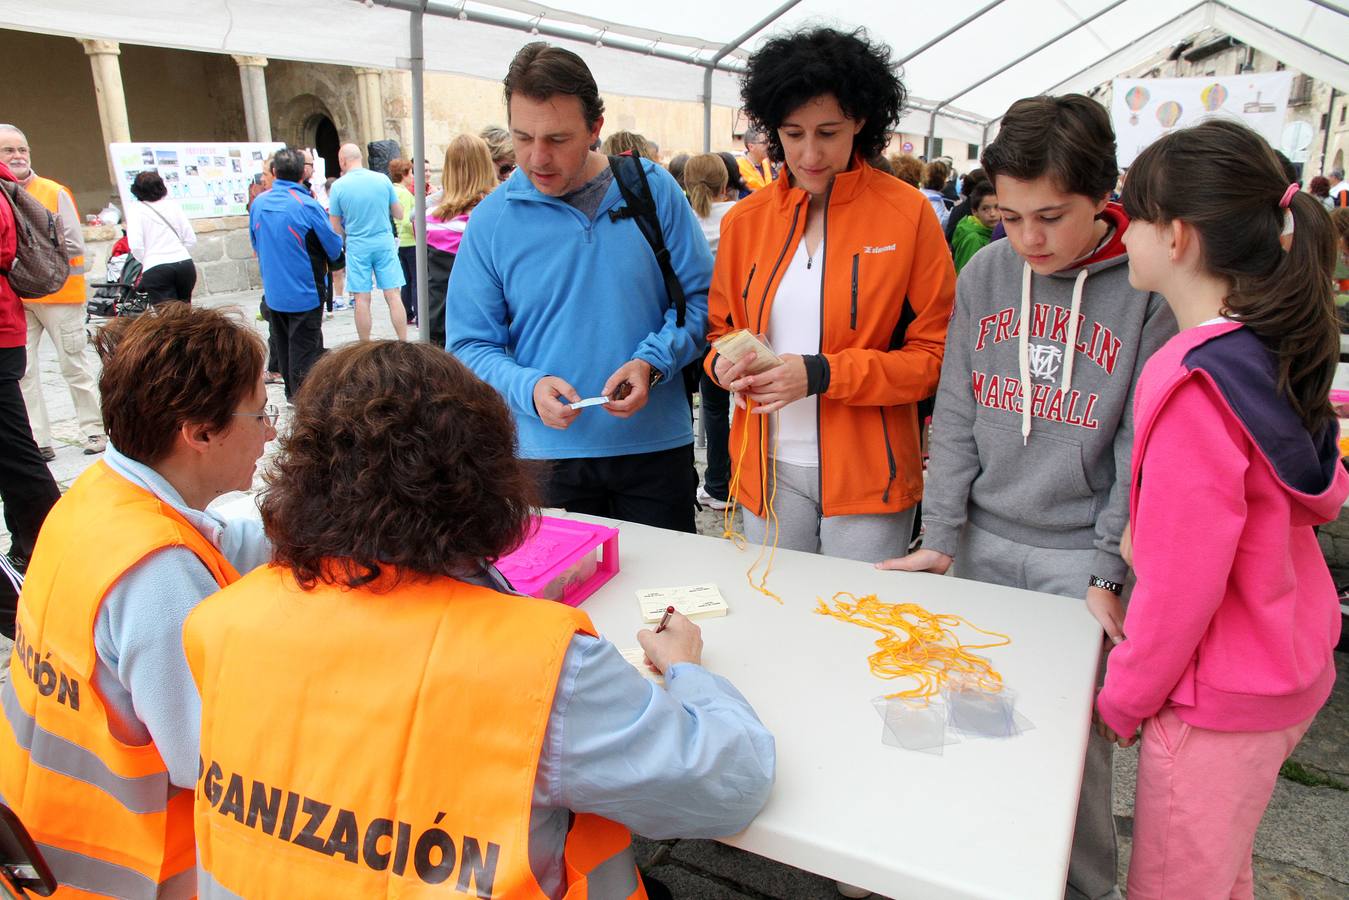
{"points": [[1300, 850]]}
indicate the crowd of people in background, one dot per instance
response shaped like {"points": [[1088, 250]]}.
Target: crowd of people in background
{"points": [[1185, 330]]}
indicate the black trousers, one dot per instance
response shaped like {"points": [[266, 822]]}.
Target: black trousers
{"points": [[170, 281], [407, 259], [27, 488], [272, 364], [716, 410], [299, 344], [647, 488]]}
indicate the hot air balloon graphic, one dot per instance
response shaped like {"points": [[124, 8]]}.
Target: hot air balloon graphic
{"points": [[1168, 113], [1136, 98], [1213, 97]]}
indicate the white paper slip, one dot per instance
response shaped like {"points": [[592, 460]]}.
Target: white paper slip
{"points": [[589, 401], [697, 601], [637, 657]]}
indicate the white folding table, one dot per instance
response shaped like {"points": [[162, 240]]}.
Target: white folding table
{"points": [[986, 818]]}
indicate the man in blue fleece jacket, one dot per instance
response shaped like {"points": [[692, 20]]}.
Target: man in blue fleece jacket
{"points": [[552, 300]]}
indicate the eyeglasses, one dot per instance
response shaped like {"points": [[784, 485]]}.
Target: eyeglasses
{"points": [[269, 412]]}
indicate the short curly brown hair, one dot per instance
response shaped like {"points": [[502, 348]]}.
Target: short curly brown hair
{"points": [[397, 456], [175, 364]]}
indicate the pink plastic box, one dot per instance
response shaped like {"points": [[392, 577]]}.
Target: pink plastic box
{"points": [[563, 560]]}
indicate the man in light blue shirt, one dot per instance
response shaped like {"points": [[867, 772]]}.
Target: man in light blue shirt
{"points": [[361, 206], [556, 296]]}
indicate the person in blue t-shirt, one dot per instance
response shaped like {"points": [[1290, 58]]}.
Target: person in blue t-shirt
{"points": [[360, 206]]}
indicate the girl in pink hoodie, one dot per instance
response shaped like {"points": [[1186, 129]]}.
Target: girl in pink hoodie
{"points": [[1230, 630]]}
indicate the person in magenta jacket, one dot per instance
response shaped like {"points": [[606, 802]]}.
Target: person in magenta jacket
{"points": [[1227, 653]]}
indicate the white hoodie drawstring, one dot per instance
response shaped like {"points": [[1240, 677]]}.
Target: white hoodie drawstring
{"points": [[1070, 352], [1023, 350]]}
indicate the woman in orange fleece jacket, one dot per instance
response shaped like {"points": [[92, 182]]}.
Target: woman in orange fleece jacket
{"points": [[845, 271]]}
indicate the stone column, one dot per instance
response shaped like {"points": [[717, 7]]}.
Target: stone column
{"points": [[253, 81], [109, 95], [371, 103]]}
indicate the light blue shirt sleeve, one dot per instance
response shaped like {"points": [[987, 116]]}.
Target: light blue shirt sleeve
{"points": [[672, 348], [477, 317], [692, 760], [143, 675]]}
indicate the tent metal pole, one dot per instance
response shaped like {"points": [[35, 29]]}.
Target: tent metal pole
{"points": [[1279, 31], [1338, 10], [932, 126], [724, 51], [946, 34], [419, 168], [544, 28], [1167, 24]]}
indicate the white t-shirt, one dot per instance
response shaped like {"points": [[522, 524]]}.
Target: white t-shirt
{"points": [[794, 327], [153, 241], [712, 224]]}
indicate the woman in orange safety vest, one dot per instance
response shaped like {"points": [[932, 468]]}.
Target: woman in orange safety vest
{"points": [[98, 748], [381, 715]]}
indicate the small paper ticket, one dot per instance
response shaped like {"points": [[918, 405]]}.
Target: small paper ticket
{"points": [[637, 657], [695, 601], [589, 401], [739, 344]]}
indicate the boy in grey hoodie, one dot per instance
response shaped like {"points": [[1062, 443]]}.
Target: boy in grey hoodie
{"points": [[1028, 479]]}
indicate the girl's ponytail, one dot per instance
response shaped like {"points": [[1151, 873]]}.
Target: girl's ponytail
{"points": [[1293, 308], [705, 181], [1224, 180]]}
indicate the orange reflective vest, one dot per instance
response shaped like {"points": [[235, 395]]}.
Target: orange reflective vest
{"points": [[382, 741], [754, 176], [48, 193], [104, 814]]}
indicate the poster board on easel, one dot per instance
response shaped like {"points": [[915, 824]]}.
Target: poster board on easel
{"points": [[208, 179], [1144, 109]]}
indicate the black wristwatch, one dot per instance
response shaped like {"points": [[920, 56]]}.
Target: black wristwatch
{"points": [[656, 376], [1113, 587]]}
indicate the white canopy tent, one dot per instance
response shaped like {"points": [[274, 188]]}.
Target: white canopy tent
{"points": [[963, 61]]}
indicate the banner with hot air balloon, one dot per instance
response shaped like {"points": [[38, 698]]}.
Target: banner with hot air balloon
{"points": [[1144, 109]]}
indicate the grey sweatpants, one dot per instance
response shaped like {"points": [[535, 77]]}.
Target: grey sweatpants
{"points": [[802, 526], [982, 556]]}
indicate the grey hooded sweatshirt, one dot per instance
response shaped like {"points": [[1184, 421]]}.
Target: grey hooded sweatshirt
{"points": [[1033, 432]]}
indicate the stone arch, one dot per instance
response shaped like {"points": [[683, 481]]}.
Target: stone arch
{"points": [[307, 121]]}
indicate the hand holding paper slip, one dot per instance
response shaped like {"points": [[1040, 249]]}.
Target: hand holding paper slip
{"points": [[736, 345], [697, 601], [589, 401]]}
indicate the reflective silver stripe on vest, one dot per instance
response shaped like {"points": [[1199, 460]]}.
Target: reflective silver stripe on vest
{"points": [[210, 889], [615, 878], [98, 876], [145, 794]]}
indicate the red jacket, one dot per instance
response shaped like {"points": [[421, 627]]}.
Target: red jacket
{"points": [[13, 325], [888, 290]]}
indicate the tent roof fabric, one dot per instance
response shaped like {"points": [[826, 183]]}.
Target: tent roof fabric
{"points": [[999, 52]]}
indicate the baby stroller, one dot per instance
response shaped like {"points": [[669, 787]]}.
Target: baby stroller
{"points": [[119, 294]]}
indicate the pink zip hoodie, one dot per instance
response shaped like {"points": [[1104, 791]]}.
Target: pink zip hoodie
{"points": [[1234, 617]]}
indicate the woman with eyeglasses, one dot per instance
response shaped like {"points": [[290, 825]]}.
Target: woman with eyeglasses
{"points": [[98, 755], [469, 174]]}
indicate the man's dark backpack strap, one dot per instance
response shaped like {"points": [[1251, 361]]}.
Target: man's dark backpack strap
{"points": [[640, 206]]}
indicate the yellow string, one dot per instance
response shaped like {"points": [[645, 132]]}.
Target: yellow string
{"points": [[917, 644], [770, 514]]}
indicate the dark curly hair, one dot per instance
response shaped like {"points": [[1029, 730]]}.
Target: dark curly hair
{"points": [[793, 69], [397, 456]]}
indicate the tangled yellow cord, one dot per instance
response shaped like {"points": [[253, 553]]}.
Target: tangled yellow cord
{"points": [[917, 644], [771, 517]]}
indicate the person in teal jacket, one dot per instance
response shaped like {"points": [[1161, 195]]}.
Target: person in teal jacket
{"points": [[974, 231], [557, 297]]}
